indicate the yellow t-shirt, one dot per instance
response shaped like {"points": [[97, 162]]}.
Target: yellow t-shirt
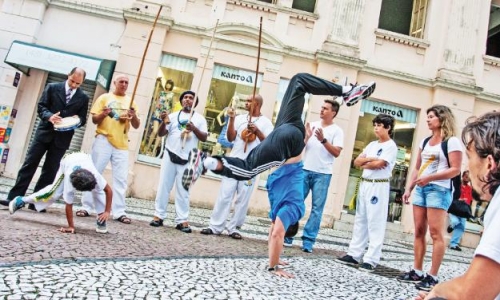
{"points": [[111, 127]]}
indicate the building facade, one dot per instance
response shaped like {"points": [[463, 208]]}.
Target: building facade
{"points": [[420, 53]]}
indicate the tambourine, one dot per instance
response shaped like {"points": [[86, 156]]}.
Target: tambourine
{"points": [[68, 123], [247, 136]]}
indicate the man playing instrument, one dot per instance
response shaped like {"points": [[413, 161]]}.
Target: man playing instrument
{"points": [[112, 112]]}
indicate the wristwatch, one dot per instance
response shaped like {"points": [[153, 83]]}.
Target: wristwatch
{"points": [[323, 141]]}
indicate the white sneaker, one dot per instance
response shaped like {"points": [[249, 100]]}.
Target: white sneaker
{"points": [[101, 227]]}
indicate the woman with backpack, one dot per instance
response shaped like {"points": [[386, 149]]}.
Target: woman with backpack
{"points": [[438, 161]]}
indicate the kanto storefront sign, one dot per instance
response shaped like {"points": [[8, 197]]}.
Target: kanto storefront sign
{"points": [[237, 76], [399, 113]]}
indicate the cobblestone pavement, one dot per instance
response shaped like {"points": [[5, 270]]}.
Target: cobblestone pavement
{"points": [[137, 261]]}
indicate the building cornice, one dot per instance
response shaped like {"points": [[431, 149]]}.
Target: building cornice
{"points": [[90, 9], [490, 97], [273, 8], [149, 18], [338, 59]]}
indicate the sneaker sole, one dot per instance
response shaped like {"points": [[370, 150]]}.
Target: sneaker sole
{"points": [[288, 245], [425, 289], [12, 206], [365, 94], [101, 230], [409, 281], [366, 270]]}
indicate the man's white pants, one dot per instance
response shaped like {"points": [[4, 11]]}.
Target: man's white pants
{"points": [[370, 221], [58, 192], [102, 153], [229, 187], [171, 173]]}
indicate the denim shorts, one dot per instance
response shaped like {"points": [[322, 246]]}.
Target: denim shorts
{"points": [[432, 196]]}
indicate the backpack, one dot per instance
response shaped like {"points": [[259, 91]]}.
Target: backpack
{"points": [[456, 181]]}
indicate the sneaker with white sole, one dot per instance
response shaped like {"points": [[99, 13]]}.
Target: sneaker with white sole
{"points": [[358, 92], [288, 242], [16, 204], [101, 227], [427, 283], [195, 168]]}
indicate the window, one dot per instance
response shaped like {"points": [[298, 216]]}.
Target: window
{"points": [[404, 16], [269, 1], [493, 40], [305, 5], [228, 87], [175, 75]]}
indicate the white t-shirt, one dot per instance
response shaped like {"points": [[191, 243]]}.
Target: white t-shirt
{"points": [[240, 123], [489, 245], [317, 158], [75, 161], [386, 151], [178, 121], [434, 160]]}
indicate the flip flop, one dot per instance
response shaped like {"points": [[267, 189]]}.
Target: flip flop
{"points": [[82, 213], [124, 219]]}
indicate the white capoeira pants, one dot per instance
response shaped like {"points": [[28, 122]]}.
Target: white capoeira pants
{"points": [[230, 189], [103, 153], [370, 221], [58, 188], [171, 173]]}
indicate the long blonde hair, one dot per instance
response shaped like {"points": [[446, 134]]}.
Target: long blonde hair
{"points": [[446, 118]]}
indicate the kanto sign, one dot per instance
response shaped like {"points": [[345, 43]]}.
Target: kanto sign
{"points": [[391, 112], [237, 77]]}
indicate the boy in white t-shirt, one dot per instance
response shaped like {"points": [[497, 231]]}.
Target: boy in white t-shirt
{"points": [[377, 161], [76, 172], [481, 137]]}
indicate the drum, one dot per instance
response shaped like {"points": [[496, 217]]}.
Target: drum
{"points": [[68, 123]]}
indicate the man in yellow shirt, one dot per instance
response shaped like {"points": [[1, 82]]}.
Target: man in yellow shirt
{"points": [[112, 114]]}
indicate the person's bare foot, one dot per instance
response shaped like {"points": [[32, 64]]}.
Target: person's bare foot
{"points": [[283, 273]]}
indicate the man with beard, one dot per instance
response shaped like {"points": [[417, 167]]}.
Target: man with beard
{"points": [[179, 127]]}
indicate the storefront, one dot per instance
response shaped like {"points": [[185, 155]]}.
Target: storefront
{"points": [[403, 133]]}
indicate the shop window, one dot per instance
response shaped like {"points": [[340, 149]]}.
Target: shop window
{"points": [[175, 75], [269, 1], [228, 87], [305, 5], [404, 16], [282, 86], [493, 40], [403, 137]]}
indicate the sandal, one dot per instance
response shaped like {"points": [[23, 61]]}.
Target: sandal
{"points": [[207, 231], [124, 219], [236, 236], [156, 222], [82, 213]]}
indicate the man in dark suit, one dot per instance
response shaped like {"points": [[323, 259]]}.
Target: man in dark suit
{"points": [[59, 100]]}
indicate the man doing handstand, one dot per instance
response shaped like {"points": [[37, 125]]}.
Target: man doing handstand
{"points": [[282, 147]]}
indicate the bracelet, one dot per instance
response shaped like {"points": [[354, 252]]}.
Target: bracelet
{"points": [[272, 269]]}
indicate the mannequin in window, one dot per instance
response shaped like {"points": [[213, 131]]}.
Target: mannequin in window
{"points": [[163, 104]]}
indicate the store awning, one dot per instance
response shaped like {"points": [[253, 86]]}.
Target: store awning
{"points": [[24, 56]]}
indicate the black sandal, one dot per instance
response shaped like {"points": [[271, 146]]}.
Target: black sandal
{"points": [[156, 222], [124, 219], [236, 236], [207, 231]]}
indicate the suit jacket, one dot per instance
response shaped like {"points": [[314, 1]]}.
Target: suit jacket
{"points": [[53, 100]]}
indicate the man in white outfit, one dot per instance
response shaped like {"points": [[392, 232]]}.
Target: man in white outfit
{"points": [[240, 128], [112, 114], [175, 159], [76, 172], [377, 161]]}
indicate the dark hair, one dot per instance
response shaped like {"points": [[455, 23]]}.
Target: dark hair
{"points": [[386, 120], [483, 133], [171, 82], [75, 69], [83, 180], [292, 230], [335, 105], [189, 93]]}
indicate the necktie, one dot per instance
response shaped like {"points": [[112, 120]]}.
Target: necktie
{"points": [[68, 95]]}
